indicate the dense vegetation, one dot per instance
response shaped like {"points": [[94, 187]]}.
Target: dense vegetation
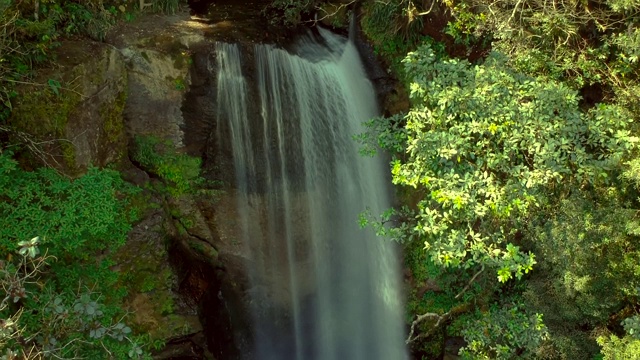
{"points": [[31, 30], [61, 296], [518, 167]]}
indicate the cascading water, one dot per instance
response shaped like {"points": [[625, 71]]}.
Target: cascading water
{"points": [[323, 288]]}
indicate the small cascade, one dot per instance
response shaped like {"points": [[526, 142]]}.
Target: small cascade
{"points": [[323, 288]]}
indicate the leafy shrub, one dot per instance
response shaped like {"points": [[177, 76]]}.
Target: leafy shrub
{"points": [[504, 333], [44, 322], [614, 348], [60, 293], [484, 142], [75, 218], [489, 151], [180, 172]]}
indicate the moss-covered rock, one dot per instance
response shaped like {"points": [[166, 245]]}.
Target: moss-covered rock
{"points": [[157, 84], [76, 109], [154, 304]]}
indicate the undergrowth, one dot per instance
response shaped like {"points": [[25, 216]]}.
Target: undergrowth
{"points": [[179, 172], [62, 298]]}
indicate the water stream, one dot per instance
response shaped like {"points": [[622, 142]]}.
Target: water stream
{"points": [[323, 288]]}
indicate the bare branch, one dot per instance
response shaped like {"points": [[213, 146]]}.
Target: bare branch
{"points": [[46, 85], [440, 319], [470, 282], [336, 11]]}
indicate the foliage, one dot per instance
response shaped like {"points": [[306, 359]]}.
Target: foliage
{"points": [[504, 333], [290, 12], [530, 151], [599, 234], [614, 348], [60, 295], [433, 290], [44, 203], [632, 326], [394, 28], [502, 162], [49, 324], [180, 171], [486, 143], [583, 43]]}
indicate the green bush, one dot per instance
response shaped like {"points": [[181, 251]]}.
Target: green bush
{"points": [[62, 296], [180, 172], [615, 348], [504, 333], [73, 218]]}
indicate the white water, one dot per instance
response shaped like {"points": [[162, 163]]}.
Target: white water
{"points": [[324, 289]]}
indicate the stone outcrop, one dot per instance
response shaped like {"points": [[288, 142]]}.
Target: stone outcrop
{"points": [[153, 78], [75, 110], [159, 57]]}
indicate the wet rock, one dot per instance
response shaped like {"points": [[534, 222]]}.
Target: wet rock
{"points": [[186, 212]]}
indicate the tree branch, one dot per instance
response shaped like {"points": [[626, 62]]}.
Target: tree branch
{"points": [[470, 282], [440, 319], [337, 10]]}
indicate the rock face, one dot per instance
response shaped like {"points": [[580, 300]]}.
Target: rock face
{"points": [[160, 58], [153, 78], [81, 102], [157, 88], [157, 51], [156, 307]]}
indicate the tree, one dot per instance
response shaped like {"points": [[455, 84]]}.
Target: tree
{"points": [[489, 152], [488, 147], [504, 333]]}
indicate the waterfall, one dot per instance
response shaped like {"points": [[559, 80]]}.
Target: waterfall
{"points": [[323, 288]]}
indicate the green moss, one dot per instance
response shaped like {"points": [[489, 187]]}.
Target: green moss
{"points": [[205, 251], [185, 219], [145, 56], [43, 113], [95, 77], [148, 283], [180, 172], [69, 155], [167, 305], [112, 116]]}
